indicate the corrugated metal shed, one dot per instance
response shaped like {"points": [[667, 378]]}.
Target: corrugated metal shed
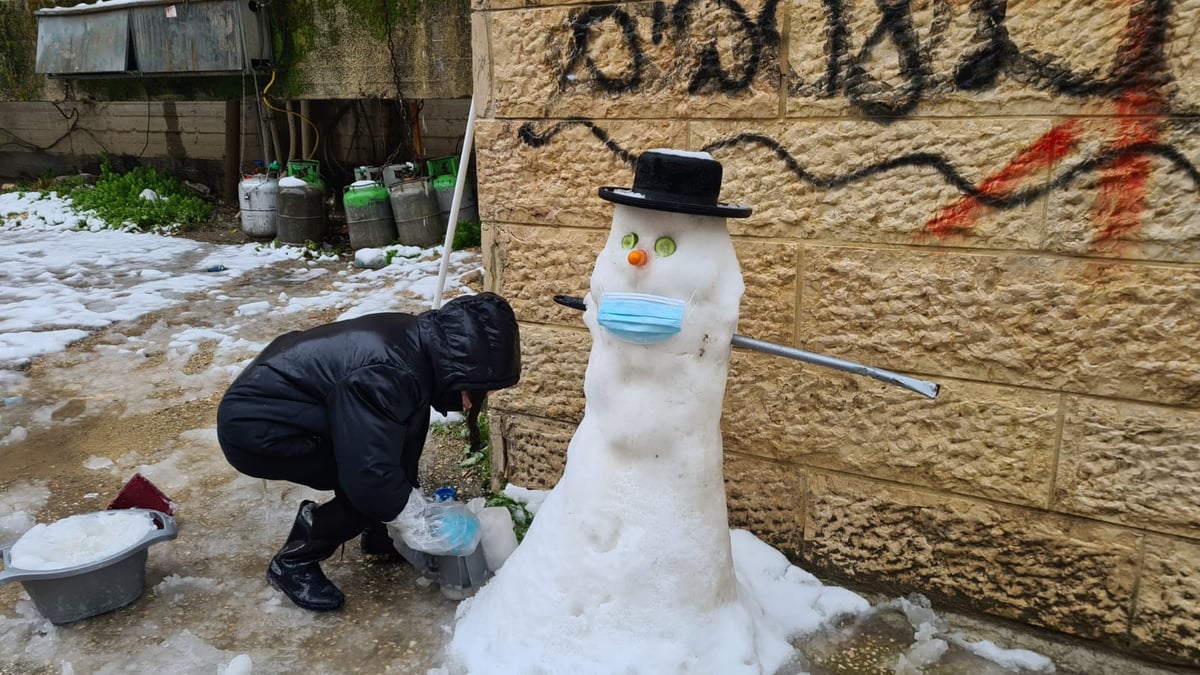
{"points": [[83, 43], [112, 37], [191, 37]]}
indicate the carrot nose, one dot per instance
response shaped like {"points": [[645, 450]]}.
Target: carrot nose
{"points": [[638, 257]]}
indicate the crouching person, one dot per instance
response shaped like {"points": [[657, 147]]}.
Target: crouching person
{"points": [[345, 407]]}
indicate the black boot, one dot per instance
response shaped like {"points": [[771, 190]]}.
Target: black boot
{"points": [[375, 541], [316, 534]]}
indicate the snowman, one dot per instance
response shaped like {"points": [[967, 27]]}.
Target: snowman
{"points": [[627, 567]]}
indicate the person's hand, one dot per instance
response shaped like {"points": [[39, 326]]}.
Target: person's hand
{"points": [[409, 518], [435, 528]]}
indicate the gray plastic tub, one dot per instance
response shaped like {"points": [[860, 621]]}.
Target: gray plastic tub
{"points": [[75, 593]]}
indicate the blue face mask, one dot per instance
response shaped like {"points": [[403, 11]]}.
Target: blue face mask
{"points": [[641, 318]]}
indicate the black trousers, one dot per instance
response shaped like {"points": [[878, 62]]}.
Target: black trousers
{"points": [[274, 450], [297, 456]]}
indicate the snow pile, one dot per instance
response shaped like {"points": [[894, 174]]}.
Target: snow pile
{"points": [[79, 540], [240, 665], [932, 641], [1012, 659], [790, 597], [177, 589], [95, 463]]}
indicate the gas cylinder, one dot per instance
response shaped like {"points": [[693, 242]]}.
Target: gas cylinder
{"points": [[257, 195], [443, 187], [308, 170], [414, 207], [300, 213], [368, 215]]}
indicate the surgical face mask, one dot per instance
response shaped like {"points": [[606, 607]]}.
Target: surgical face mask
{"points": [[641, 318]]}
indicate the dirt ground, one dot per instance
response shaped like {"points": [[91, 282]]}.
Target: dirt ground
{"points": [[98, 413]]}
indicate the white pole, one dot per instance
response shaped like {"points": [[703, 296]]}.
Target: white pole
{"points": [[460, 181]]}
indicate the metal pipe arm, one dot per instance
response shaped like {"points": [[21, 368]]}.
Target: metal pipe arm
{"points": [[922, 387]]}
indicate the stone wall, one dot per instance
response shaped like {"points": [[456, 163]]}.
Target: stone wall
{"points": [[1002, 197]]}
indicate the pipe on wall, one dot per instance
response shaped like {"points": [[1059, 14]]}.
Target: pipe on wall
{"points": [[233, 159], [306, 130], [291, 122]]}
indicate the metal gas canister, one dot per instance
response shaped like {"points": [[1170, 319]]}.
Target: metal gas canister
{"points": [[368, 215], [257, 196], [414, 207], [301, 211]]}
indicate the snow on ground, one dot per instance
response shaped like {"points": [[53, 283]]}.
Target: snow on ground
{"points": [[207, 608]]}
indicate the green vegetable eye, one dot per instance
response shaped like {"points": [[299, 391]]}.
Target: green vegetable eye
{"points": [[665, 246], [629, 241]]}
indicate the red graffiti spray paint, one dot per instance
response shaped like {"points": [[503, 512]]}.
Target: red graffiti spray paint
{"points": [[1028, 166]]}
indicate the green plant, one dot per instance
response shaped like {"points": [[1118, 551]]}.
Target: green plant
{"points": [[482, 459], [391, 254], [43, 183], [481, 463], [118, 199], [309, 250], [468, 234], [521, 515], [18, 47], [315, 251]]}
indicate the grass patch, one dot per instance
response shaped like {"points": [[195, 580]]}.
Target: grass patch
{"points": [[521, 516], [121, 200], [468, 234]]}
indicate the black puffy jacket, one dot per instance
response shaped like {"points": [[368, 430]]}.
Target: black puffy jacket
{"points": [[367, 384]]}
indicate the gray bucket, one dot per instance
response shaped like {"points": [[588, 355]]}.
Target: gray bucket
{"points": [[416, 212], [75, 593], [300, 213]]}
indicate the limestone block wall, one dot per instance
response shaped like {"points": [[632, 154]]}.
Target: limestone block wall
{"points": [[1002, 196]]}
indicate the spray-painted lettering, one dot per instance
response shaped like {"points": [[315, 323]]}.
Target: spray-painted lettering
{"points": [[1134, 83], [713, 72]]}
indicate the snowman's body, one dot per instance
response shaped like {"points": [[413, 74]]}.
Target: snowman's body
{"points": [[628, 560]]}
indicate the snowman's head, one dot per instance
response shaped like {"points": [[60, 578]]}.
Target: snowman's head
{"points": [[674, 255], [669, 258]]}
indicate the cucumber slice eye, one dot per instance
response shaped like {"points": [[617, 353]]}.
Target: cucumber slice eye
{"points": [[629, 241], [665, 246]]}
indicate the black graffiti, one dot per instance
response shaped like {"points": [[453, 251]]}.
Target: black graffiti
{"points": [[711, 73], [1067, 175], [536, 140], [863, 90], [758, 35], [582, 27], [1139, 61], [928, 160]]}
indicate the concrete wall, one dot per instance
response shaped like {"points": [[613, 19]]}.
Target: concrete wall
{"points": [[1003, 197], [189, 137]]}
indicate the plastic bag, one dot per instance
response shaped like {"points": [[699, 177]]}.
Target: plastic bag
{"points": [[437, 528]]}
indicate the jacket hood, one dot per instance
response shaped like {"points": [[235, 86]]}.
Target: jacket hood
{"points": [[473, 344]]}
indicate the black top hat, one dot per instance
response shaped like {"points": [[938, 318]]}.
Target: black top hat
{"points": [[679, 182]]}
